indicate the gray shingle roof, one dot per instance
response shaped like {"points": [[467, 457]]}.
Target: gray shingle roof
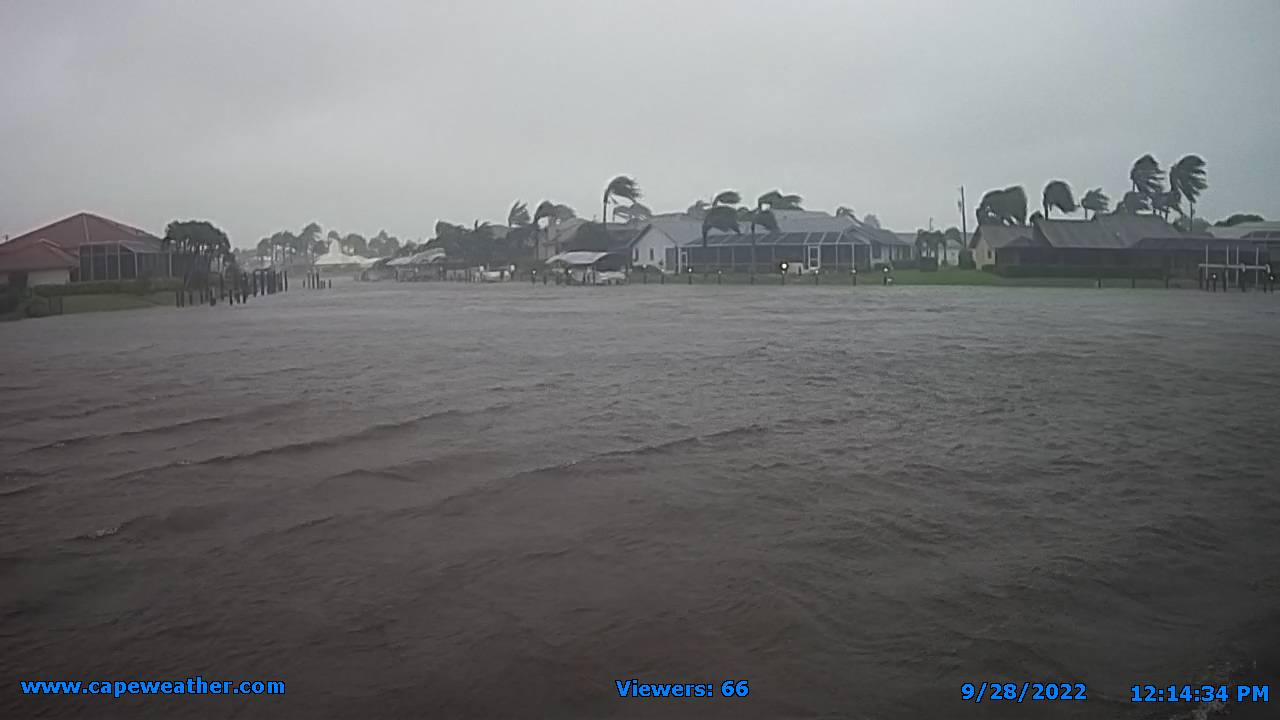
{"points": [[763, 239], [999, 236], [1104, 231], [1255, 230]]}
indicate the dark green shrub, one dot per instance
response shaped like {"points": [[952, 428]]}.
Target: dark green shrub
{"points": [[966, 260], [1079, 271], [9, 300], [927, 264], [109, 287]]}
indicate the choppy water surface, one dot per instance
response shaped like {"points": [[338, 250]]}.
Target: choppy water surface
{"points": [[462, 501]]}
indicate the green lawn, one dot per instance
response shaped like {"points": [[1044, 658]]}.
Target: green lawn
{"points": [[117, 301], [944, 276]]}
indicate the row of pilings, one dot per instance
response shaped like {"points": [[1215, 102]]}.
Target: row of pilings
{"points": [[240, 287], [237, 289]]}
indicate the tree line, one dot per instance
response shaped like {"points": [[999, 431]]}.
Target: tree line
{"points": [[1147, 193]]}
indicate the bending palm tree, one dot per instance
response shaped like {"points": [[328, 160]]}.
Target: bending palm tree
{"points": [[518, 215], [775, 200], [722, 217], [1003, 207], [1188, 178], [1095, 201], [726, 197], [766, 220], [546, 209], [1057, 194], [1163, 202], [622, 186], [1147, 179], [1133, 202]]}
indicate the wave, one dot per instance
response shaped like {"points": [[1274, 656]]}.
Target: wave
{"points": [[376, 431], [161, 429]]}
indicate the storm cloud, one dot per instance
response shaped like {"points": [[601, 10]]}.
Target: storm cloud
{"points": [[365, 116]]}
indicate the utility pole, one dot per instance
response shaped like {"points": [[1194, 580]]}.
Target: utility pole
{"points": [[964, 222]]}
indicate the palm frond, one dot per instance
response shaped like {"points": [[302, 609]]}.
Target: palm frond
{"points": [[546, 209], [723, 218], [623, 186], [726, 197], [765, 219], [1188, 177], [1096, 201], [1057, 194], [1134, 202], [1146, 175], [518, 214]]}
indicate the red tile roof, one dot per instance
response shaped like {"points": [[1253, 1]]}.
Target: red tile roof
{"points": [[86, 228], [35, 255]]}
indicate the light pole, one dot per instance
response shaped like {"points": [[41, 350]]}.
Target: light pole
{"points": [[783, 267]]}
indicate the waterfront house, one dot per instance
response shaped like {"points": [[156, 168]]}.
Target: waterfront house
{"points": [[35, 263], [102, 250], [1116, 244], [806, 239]]}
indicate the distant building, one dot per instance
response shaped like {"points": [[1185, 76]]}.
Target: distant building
{"points": [[101, 249], [809, 240], [1266, 230], [1110, 242]]}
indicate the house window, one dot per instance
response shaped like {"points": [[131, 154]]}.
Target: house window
{"points": [[988, 253], [875, 250], [651, 253], [635, 254]]}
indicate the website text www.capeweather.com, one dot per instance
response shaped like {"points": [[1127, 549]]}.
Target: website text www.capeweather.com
{"points": [[119, 688]]}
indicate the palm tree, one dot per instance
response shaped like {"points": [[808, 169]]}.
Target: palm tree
{"points": [[766, 220], [928, 241], [1134, 202], [1015, 205], [306, 242], [1003, 207], [546, 209], [726, 197], [775, 200], [1095, 201], [1057, 194], [846, 211], [622, 186], [952, 235], [720, 217], [1163, 202], [518, 215], [1147, 177], [697, 210], [1187, 177]]}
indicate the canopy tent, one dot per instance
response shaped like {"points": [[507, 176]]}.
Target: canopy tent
{"points": [[336, 257], [578, 258], [426, 257]]}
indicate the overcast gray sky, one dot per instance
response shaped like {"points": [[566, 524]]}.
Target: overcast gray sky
{"points": [[263, 116]]}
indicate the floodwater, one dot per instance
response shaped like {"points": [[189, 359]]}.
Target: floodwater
{"points": [[458, 501]]}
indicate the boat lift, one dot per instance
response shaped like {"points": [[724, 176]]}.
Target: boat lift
{"points": [[1235, 274]]}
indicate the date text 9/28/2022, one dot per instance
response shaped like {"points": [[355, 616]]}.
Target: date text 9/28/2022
{"points": [[1022, 692], [726, 689]]}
